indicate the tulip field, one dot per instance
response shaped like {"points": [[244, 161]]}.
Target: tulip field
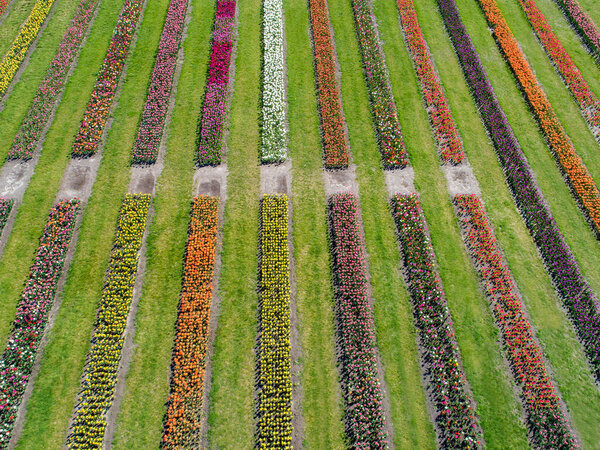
{"points": [[366, 224]]}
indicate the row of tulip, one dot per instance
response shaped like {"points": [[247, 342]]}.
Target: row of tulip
{"points": [[333, 129], [214, 110], [444, 129], [98, 108], [145, 150], [17, 51], [274, 135], [6, 205], [458, 426], [184, 405], [549, 426], [560, 263], [564, 64], [583, 24], [3, 5], [52, 84], [579, 179], [383, 108], [274, 386], [100, 374], [364, 416], [33, 309]]}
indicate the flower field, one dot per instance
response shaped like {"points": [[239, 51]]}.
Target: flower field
{"points": [[183, 419], [150, 131], [214, 111], [333, 133], [355, 328], [104, 355], [20, 46], [52, 85], [94, 119], [38, 295], [368, 227], [274, 400]]}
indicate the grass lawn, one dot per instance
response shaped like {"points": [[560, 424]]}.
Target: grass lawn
{"points": [[9, 29]]}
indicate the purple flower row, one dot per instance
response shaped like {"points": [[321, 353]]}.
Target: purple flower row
{"points": [[52, 84], [385, 114], [6, 205], [583, 24], [32, 313], [91, 128], [364, 416], [214, 114], [145, 150], [454, 410], [580, 301]]}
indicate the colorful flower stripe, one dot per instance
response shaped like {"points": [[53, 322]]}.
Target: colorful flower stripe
{"points": [[586, 99], [274, 139], [579, 179], [364, 416], [98, 108], [549, 426], [455, 414], [333, 132], [3, 5], [214, 111], [274, 398], [6, 205], [100, 376], [34, 307], [385, 115], [444, 128], [18, 49], [583, 25], [569, 283], [53, 83], [145, 150], [184, 406]]}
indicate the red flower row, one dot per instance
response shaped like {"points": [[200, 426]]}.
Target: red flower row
{"points": [[3, 5], [583, 25], [333, 133], [580, 181], [184, 405], [6, 205]]}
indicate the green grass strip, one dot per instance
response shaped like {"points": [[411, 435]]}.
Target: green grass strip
{"points": [[12, 22]]}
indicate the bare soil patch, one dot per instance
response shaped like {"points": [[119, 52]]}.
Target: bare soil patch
{"points": [[340, 180], [276, 178], [461, 180], [400, 181]]}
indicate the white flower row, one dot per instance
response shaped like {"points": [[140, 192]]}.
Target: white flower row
{"points": [[273, 146]]}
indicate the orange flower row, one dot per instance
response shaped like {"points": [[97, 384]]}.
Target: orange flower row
{"points": [[580, 181], [182, 421]]}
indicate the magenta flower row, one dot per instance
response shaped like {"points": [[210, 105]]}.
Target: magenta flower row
{"points": [[52, 84], [364, 415], [145, 150], [94, 119], [583, 24], [214, 113], [32, 313], [6, 205], [579, 299]]}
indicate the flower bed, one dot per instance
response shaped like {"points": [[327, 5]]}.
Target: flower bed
{"points": [[145, 150], [549, 426], [3, 5], [564, 64], [274, 136], [333, 133], [182, 420], [95, 116], [6, 205], [455, 418], [583, 25], [214, 111], [17, 51], [383, 108], [364, 417], [52, 84], [273, 366], [33, 309], [100, 375], [440, 116], [580, 181], [560, 263]]}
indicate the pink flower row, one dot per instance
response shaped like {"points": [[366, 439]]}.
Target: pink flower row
{"points": [[583, 24], [5, 208]]}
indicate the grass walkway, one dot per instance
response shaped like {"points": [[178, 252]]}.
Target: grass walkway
{"points": [[12, 23], [553, 329], [139, 424], [51, 405]]}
